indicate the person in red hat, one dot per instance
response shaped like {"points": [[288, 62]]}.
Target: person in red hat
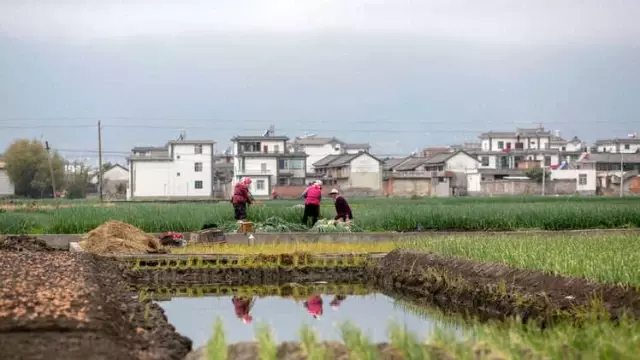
{"points": [[241, 197], [242, 307], [314, 306]]}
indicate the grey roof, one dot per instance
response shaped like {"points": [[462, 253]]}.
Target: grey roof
{"points": [[357, 146], [441, 157], [192, 142], [618, 141], [612, 158], [411, 164], [148, 148], [388, 164], [316, 140], [259, 138], [519, 131], [340, 160]]}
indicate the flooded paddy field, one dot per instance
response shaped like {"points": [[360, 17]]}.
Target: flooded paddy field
{"points": [[443, 299]]}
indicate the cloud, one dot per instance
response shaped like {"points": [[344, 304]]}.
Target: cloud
{"points": [[493, 21]]}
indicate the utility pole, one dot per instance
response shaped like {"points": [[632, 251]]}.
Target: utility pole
{"points": [[100, 160], [621, 172], [544, 175], [53, 180]]}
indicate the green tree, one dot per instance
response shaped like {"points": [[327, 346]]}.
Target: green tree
{"points": [[536, 173], [28, 168], [77, 182], [106, 166]]}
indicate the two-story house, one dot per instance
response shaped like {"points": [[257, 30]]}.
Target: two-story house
{"points": [[317, 147], [509, 153], [628, 145], [268, 161], [351, 171], [180, 169]]}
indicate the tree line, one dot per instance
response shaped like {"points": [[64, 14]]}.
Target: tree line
{"points": [[31, 168]]}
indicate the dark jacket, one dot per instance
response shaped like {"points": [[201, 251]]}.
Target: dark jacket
{"points": [[343, 210]]}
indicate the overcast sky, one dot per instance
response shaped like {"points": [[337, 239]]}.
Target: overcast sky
{"points": [[399, 74]]}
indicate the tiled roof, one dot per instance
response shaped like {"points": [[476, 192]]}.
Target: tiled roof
{"points": [[388, 164], [148, 148], [259, 138], [440, 158], [613, 158], [316, 140], [357, 146], [340, 160], [411, 164], [192, 142], [325, 160]]}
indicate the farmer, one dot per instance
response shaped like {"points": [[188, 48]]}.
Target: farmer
{"points": [[314, 306], [241, 198], [343, 210], [242, 307], [337, 300], [312, 197]]}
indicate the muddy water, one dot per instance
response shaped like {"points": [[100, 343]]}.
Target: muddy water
{"points": [[194, 316]]}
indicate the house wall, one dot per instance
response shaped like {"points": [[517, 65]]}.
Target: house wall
{"points": [[525, 187], [441, 187], [365, 172], [116, 173], [528, 143], [570, 174], [175, 178], [473, 182], [6, 186], [461, 162], [318, 152], [613, 148], [407, 187]]}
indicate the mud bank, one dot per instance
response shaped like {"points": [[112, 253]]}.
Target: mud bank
{"points": [[245, 276], [495, 290], [60, 305]]}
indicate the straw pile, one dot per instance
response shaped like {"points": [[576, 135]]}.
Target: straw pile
{"points": [[116, 237]]}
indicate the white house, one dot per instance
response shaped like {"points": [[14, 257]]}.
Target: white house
{"points": [[317, 147], [6, 186], [586, 180], [180, 169], [113, 178], [361, 170], [626, 146], [268, 161], [506, 151]]}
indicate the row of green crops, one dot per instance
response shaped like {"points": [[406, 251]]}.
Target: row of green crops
{"points": [[510, 340], [371, 215], [603, 258]]}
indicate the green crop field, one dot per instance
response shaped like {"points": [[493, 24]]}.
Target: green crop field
{"points": [[463, 214]]}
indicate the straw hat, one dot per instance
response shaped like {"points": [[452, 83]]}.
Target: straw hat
{"points": [[334, 191]]}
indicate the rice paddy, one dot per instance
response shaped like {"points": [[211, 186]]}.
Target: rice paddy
{"points": [[462, 214]]}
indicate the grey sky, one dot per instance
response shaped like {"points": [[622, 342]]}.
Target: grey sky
{"points": [[400, 74]]}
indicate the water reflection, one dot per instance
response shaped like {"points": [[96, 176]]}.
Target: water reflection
{"points": [[194, 316]]}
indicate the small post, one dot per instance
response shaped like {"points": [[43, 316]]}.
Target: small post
{"points": [[100, 160], [53, 180], [544, 175]]}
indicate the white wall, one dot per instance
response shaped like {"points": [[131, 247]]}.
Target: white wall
{"points": [[473, 182], [366, 172], [572, 174], [6, 186], [612, 148], [461, 162], [116, 173], [318, 152], [531, 143], [176, 178]]}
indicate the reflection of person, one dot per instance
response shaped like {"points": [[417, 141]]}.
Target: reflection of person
{"points": [[241, 198], [314, 306], [242, 307], [337, 300]]}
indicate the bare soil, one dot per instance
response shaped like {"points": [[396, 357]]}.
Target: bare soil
{"points": [[496, 290], [23, 243], [61, 305]]}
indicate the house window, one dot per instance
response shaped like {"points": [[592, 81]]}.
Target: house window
{"points": [[263, 167], [283, 164], [626, 146], [296, 164], [519, 146], [500, 144], [265, 149], [564, 148], [276, 148], [441, 179], [485, 161], [197, 149], [260, 184], [178, 157], [177, 174], [547, 161], [282, 181], [197, 167], [198, 184], [582, 179], [508, 145]]}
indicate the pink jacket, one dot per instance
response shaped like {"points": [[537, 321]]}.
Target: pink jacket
{"points": [[313, 195]]}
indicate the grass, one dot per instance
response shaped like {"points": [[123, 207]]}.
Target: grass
{"points": [[276, 249], [591, 339], [465, 214], [609, 258]]}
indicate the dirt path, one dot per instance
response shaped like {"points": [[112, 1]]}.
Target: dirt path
{"points": [[60, 305]]}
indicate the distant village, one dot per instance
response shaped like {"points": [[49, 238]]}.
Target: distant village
{"points": [[526, 161]]}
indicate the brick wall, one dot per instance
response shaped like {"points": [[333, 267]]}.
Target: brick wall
{"points": [[526, 187]]}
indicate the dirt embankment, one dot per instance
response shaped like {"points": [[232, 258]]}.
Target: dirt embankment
{"points": [[60, 305], [245, 276], [496, 290]]}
